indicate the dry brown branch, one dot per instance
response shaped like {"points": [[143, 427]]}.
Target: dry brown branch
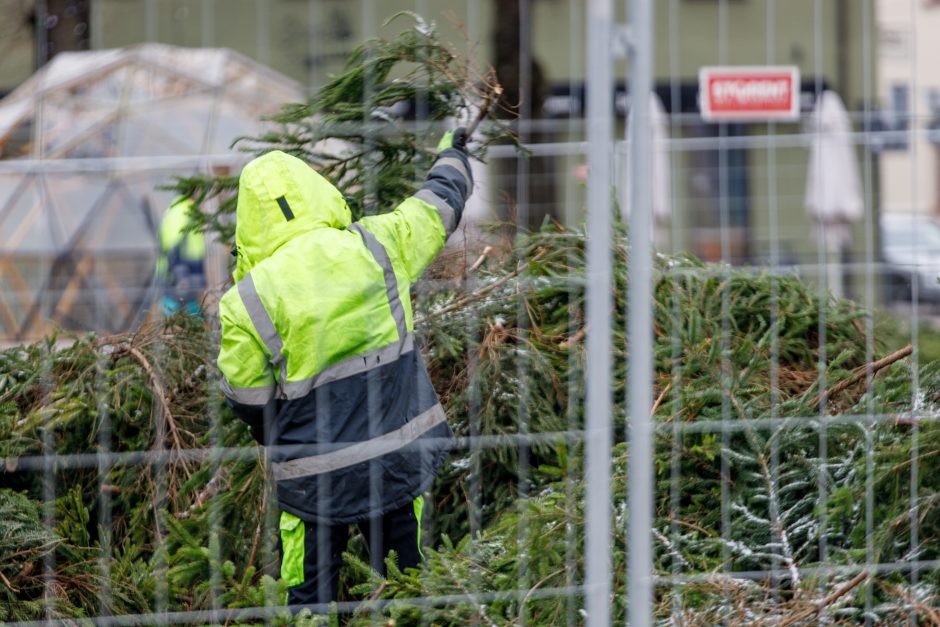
{"points": [[574, 339], [255, 543], [378, 591], [257, 540], [24, 572], [659, 399], [7, 583], [480, 293], [538, 585], [212, 487], [29, 551], [479, 262], [492, 96], [163, 405], [862, 371], [827, 601]]}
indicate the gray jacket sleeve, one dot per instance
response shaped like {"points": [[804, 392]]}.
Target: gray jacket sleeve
{"points": [[448, 185]]}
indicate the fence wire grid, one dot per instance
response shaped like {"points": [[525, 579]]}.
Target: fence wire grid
{"points": [[676, 403]]}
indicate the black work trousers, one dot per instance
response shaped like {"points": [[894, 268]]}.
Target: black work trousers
{"points": [[323, 546]]}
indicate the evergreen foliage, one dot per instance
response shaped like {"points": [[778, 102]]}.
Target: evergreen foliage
{"points": [[475, 337], [351, 129], [716, 367]]}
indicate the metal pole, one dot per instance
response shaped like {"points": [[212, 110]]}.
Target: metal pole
{"points": [[151, 14], [640, 326], [42, 34], [599, 302]]}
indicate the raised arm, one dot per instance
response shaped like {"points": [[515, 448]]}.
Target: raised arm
{"points": [[416, 231]]}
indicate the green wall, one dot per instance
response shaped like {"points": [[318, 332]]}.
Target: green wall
{"points": [[16, 44], [309, 40], [304, 40]]}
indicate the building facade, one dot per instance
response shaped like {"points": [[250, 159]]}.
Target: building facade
{"points": [[909, 88], [751, 189]]}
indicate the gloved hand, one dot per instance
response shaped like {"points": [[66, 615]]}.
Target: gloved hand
{"points": [[454, 138]]}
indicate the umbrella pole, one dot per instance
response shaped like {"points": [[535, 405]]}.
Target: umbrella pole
{"points": [[834, 268]]}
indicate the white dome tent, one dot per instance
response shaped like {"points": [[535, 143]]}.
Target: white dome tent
{"points": [[84, 143]]}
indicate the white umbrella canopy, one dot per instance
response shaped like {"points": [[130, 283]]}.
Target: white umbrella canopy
{"points": [[660, 170], [833, 187]]}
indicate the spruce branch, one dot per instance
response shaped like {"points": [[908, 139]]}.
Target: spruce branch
{"points": [[353, 131]]}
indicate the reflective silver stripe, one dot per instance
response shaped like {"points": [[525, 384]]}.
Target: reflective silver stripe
{"points": [[361, 451], [349, 367], [263, 324], [248, 396], [458, 165], [447, 213], [391, 281]]}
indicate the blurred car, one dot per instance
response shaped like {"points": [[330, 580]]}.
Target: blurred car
{"points": [[910, 247]]}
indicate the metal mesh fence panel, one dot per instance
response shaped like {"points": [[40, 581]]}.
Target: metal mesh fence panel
{"points": [[691, 364]]}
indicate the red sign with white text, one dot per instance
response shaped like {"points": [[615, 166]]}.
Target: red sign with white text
{"points": [[753, 94]]}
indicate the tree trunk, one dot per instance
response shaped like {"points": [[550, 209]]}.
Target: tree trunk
{"points": [[532, 197], [61, 25]]}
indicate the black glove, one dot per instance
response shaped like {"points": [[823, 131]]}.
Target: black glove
{"points": [[454, 138]]}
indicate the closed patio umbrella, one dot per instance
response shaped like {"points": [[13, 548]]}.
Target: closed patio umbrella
{"points": [[833, 188], [660, 171]]}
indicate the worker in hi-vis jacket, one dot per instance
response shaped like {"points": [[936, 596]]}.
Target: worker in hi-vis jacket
{"points": [[318, 357], [181, 266]]}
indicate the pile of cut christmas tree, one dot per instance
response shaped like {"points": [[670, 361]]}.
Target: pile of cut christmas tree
{"points": [[763, 464]]}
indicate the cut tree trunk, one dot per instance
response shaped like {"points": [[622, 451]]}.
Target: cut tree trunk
{"points": [[62, 25], [527, 190]]}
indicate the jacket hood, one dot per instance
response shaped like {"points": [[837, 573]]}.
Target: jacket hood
{"points": [[279, 198]]}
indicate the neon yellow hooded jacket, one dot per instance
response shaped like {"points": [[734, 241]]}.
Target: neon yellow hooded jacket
{"points": [[317, 350]]}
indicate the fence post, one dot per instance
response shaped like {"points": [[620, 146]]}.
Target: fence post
{"points": [[640, 326], [598, 398]]}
